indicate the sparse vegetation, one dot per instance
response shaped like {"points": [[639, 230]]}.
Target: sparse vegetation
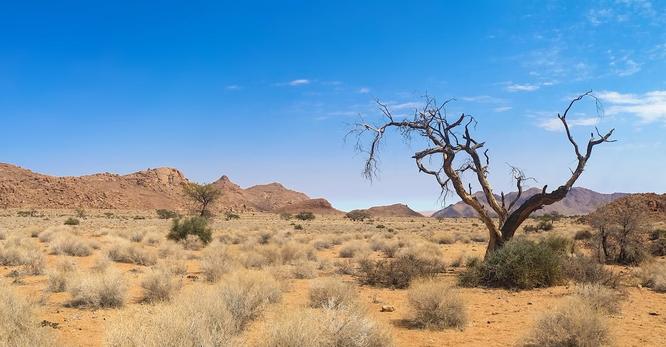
{"points": [[197, 226], [331, 293], [72, 221], [18, 326], [166, 214], [436, 305], [305, 216], [203, 195], [98, 290], [358, 215]]}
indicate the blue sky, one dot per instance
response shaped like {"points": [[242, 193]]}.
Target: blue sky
{"points": [[265, 91]]}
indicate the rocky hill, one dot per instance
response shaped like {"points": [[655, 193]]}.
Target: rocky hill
{"points": [[143, 190], [654, 205], [579, 201], [316, 206], [395, 210]]}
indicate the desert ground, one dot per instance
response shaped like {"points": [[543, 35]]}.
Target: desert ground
{"points": [[127, 248]]}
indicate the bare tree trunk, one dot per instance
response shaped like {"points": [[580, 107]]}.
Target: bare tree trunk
{"points": [[494, 243]]}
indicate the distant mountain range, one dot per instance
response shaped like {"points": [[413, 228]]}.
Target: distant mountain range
{"points": [[579, 201], [143, 190]]}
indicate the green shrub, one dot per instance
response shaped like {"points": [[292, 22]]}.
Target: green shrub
{"points": [[197, 226], [298, 227], [285, 216], [305, 216], [545, 225], [658, 248], [72, 221], [166, 214], [520, 264]]}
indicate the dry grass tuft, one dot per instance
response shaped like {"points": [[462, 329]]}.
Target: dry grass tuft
{"points": [[98, 290], [328, 327], [654, 276], [159, 285], [18, 326], [436, 305], [574, 323], [126, 252], [332, 293], [600, 298]]}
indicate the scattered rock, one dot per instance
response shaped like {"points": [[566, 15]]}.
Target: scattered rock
{"points": [[653, 313]]}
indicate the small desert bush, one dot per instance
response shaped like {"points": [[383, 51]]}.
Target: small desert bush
{"points": [[397, 272], [332, 293], [653, 276], [70, 245], [436, 305], [328, 327], [166, 214], [159, 285], [152, 238], [600, 298], [19, 252], [443, 238], [18, 326], [352, 249], [98, 290], [196, 318], [57, 279], [137, 235], [215, 262], [520, 264], [72, 221], [246, 293], [197, 226], [574, 323], [305, 216], [304, 269], [584, 269], [126, 252]]}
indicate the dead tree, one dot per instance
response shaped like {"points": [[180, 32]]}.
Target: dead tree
{"points": [[457, 152]]}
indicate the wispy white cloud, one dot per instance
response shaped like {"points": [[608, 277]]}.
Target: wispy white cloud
{"points": [[649, 107], [555, 124], [502, 108], [232, 87], [517, 87], [299, 82], [405, 105], [364, 90], [484, 99]]}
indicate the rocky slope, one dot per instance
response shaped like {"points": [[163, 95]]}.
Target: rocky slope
{"points": [[143, 190], [395, 210], [579, 201]]}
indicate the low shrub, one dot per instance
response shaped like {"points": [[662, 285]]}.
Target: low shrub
{"points": [[98, 290], [436, 305], [574, 323], [328, 327], [159, 285], [197, 226], [285, 216], [653, 276], [304, 270], [305, 216], [166, 214], [195, 318], [231, 216], [246, 293], [215, 262], [397, 272], [520, 264], [72, 221], [352, 249], [57, 280], [331, 293], [125, 252], [600, 298], [583, 269], [71, 245], [18, 324]]}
